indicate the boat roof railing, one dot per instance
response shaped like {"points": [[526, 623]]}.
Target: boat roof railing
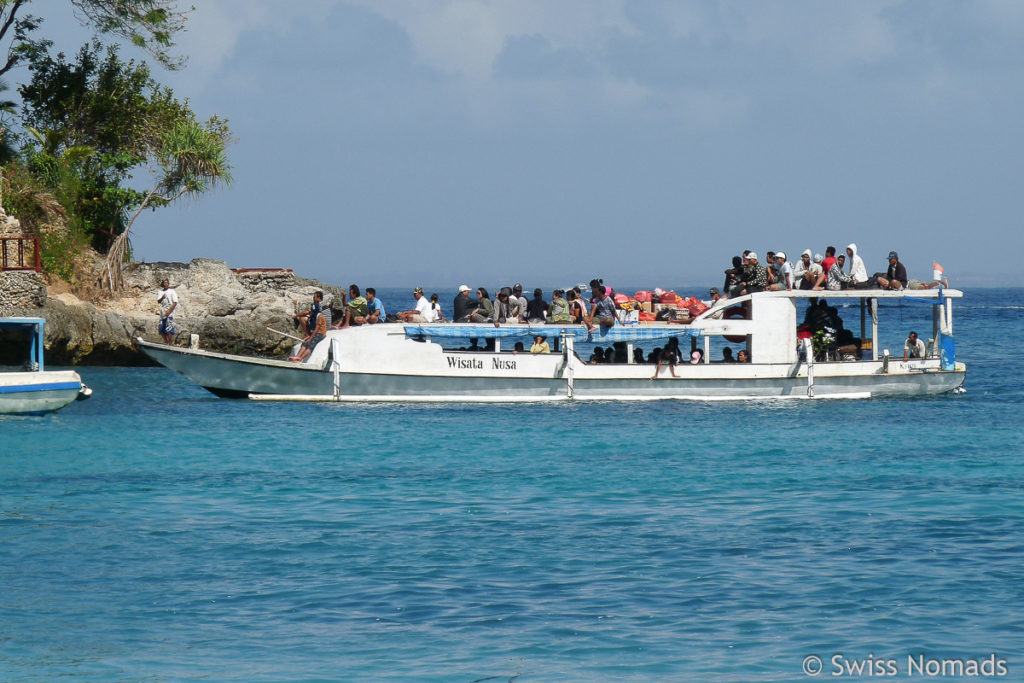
{"points": [[615, 333]]}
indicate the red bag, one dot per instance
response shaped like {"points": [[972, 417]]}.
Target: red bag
{"points": [[667, 298], [645, 316], [696, 308], [643, 296], [621, 298]]}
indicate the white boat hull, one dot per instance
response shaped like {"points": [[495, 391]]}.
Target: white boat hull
{"points": [[431, 375], [32, 393]]}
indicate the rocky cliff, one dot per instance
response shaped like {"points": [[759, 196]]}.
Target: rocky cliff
{"points": [[229, 310]]}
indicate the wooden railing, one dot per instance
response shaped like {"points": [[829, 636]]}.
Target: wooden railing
{"points": [[20, 253]]}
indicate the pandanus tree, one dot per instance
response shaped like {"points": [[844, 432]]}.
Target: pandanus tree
{"points": [[190, 158]]}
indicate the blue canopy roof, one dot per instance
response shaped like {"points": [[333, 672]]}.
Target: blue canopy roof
{"points": [[625, 333]]}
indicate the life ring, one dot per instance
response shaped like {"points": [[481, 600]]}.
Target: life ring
{"points": [[734, 313]]}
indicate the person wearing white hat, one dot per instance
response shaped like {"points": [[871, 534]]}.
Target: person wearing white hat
{"points": [[755, 278], [463, 306], [785, 269]]}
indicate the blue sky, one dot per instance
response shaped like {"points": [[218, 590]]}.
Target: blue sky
{"points": [[449, 141]]}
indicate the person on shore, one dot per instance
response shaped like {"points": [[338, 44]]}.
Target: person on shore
{"points": [[484, 311], [536, 308], [462, 306], [913, 347], [540, 345], [355, 309], [316, 326], [168, 300], [422, 312]]}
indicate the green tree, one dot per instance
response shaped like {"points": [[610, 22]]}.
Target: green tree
{"points": [[148, 24], [190, 158]]}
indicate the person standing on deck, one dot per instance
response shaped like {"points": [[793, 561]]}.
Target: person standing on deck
{"points": [[168, 300]]}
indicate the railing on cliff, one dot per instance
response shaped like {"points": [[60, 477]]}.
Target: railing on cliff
{"points": [[20, 253]]}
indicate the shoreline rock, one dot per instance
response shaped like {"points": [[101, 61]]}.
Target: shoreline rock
{"points": [[229, 310]]}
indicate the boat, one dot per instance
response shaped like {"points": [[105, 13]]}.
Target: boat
{"points": [[36, 390], [429, 362]]}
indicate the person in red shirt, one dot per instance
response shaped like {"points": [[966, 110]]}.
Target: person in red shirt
{"points": [[830, 258]]}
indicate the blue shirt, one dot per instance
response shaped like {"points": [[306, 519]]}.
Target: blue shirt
{"points": [[375, 305]]}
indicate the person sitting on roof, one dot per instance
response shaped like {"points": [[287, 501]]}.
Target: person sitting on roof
{"points": [[355, 309], [317, 326], [558, 311], [815, 277], [577, 306], [603, 313], [503, 308], [836, 277], [755, 278], [785, 270], [374, 309], [435, 307], [518, 303], [484, 311], [857, 270], [462, 306], [422, 312], [733, 276], [536, 308], [895, 277]]}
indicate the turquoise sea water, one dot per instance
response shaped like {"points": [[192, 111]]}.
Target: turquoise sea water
{"points": [[158, 533]]}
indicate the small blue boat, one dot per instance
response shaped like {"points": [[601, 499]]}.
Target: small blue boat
{"points": [[36, 390]]}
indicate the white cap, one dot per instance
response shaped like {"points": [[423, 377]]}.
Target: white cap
{"points": [[752, 255], [781, 255], [463, 288]]}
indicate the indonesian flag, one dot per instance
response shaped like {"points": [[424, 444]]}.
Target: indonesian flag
{"points": [[936, 271]]}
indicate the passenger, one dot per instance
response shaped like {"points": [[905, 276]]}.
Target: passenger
{"points": [[830, 258], [619, 352], [742, 357], [435, 307], [816, 275], [857, 270], [785, 271], [422, 312], [727, 355], [938, 279], [895, 277], [771, 270], [669, 356], [755, 278], [316, 324], [800, 269], [733, 276], [913, 347], [696, 356], [716, 296], [558, 311], [577, 307], [519, 347], [503, 308], [654, 355], [597, 286], [462, 306], [603, 314], [836, 277], [638, 355], [597, 356], [540, 345], [536, 308], [484, 311], [518, 304], [355, 309], [374, 309]]}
